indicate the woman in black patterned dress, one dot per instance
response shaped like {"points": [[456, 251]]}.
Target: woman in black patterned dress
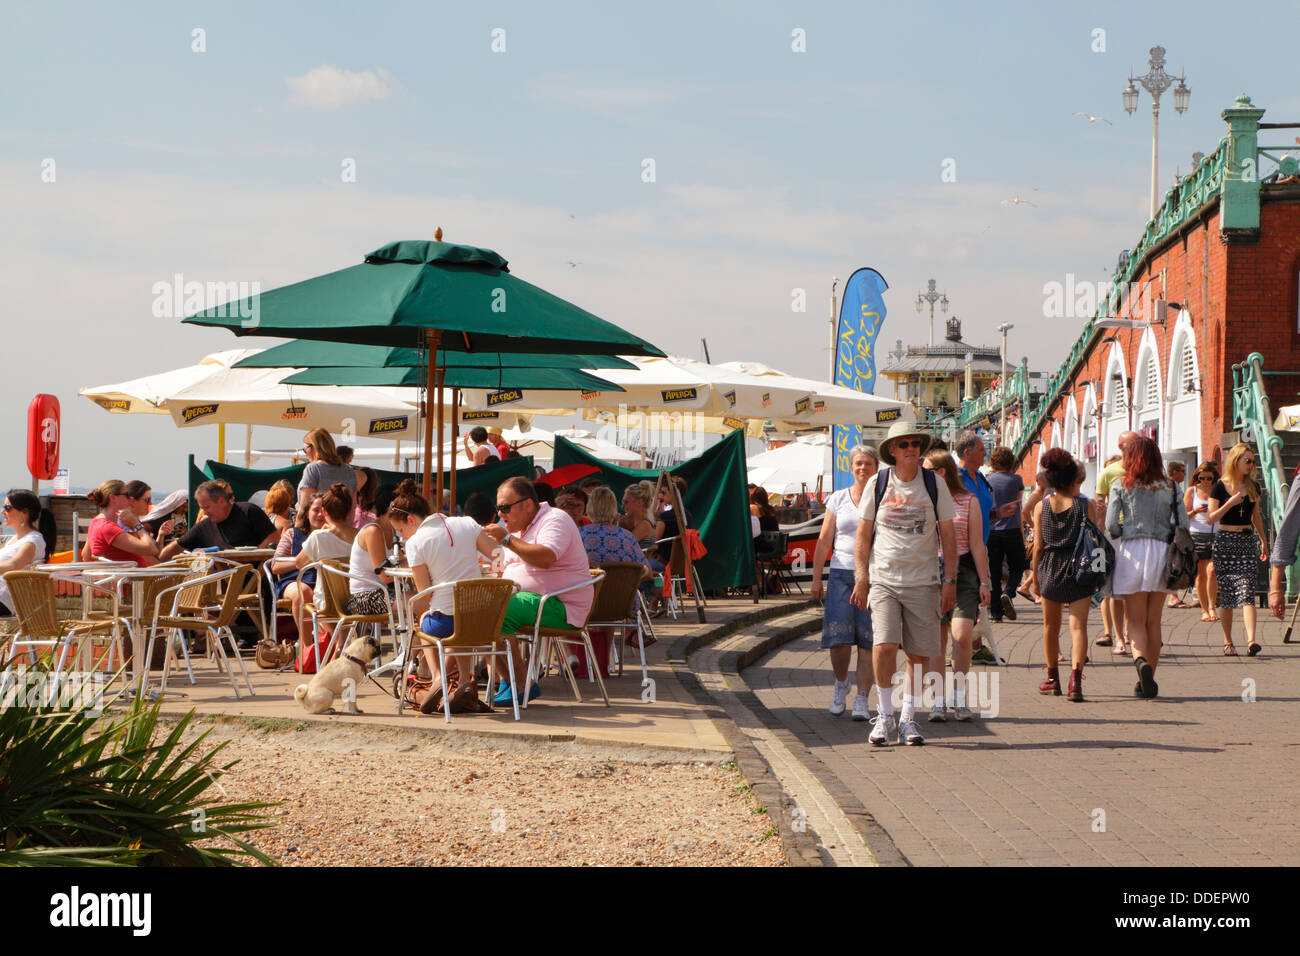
{"points": [[1057, 520]]}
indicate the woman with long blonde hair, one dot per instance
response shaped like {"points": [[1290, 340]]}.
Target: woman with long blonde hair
{"points": [[324, 467], [1234, 506]]}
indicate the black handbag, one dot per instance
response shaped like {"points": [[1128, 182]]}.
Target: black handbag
{"points": [[1094, 555]]}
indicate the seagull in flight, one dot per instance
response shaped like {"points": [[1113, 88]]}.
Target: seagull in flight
{"points": [[1095, 119], [574, 265], [1017, 201]]}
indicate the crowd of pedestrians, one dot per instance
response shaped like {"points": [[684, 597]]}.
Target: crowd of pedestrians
{"points": [[925, 543]]}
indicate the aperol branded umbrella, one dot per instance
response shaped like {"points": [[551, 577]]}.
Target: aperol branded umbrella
{"points": [[436, 296]]}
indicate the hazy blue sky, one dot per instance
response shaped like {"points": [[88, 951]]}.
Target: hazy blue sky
{"points": [[775, 170]]}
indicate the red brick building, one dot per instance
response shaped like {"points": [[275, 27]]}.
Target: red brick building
{"points": [[1214, 278]]}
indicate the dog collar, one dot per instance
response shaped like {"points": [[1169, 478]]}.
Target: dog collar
{"points": [[355, 660]]}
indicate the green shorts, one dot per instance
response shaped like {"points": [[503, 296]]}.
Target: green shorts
{"points": [[521, 613], [968, 593]]}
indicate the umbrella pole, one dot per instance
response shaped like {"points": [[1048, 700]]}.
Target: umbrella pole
{"points": [[455, 443], [432, 345], [221, 443], [441, 374]]}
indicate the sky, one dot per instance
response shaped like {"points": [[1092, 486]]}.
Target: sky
{"points": [[791, 143]]}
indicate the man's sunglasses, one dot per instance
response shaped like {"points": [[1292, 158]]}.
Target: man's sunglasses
{"points": [[505, 509], [908, 443]]}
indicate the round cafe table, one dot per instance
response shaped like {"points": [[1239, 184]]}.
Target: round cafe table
{"points": [[137, 616]]}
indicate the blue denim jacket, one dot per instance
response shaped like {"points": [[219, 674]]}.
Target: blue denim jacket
{"points": [[1146, 511]]}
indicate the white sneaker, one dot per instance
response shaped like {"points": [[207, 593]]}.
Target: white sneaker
{"points": [[962, 713], [910, 734], [882, 729], [838, 696], [860, 708], [938, 713]]}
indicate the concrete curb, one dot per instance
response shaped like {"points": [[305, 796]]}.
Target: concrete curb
{"points": [[733, 662], [800, 848]]}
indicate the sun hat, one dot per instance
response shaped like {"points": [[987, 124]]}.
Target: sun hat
{"points": [[901, 430], [169, 504]]}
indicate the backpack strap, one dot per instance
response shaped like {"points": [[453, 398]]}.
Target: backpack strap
{"points": [[932, 489]]}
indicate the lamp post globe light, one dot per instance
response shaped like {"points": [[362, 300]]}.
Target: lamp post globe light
{"points": [[931, 296], [1155, 81]]}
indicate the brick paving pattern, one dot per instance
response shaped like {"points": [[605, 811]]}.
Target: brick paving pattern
{"points": [[1197, 777]]}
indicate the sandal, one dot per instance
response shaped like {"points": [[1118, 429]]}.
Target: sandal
{"points": [[1105, 641], [1229, 650], [1206, 617], [1253, 649], [1120, 648]]}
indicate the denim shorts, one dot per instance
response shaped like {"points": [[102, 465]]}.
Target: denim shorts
{"points": [[843, 624], [437, 624]]}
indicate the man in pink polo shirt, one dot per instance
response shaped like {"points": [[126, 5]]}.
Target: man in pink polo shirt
{"points": [[543, 553]]}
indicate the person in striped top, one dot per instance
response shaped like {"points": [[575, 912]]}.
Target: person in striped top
{"points": [[970, 565]]}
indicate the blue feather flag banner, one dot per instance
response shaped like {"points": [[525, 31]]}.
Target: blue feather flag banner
{"points": [[862, 310]]}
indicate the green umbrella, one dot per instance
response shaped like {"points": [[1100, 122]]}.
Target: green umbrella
{"points": [[490, 378], [427, 295], [314, 354], [406, 289]]}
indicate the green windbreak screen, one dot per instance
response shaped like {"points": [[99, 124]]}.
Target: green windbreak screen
{"points": [[715, 497], [245, 482]]}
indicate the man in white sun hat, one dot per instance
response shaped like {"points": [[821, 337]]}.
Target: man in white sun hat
{"points": [[901, 508]]}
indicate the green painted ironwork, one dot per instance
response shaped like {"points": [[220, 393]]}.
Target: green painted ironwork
{"points": [[1252, 416], [1206, 184]]}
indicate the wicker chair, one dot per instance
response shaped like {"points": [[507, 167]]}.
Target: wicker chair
{"points": [[616, 606], [38, 621], [333, 579], [181, 598], [554, 638], [480, 610]]}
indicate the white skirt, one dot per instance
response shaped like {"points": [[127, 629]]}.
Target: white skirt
{"points": [[1139, 566]]}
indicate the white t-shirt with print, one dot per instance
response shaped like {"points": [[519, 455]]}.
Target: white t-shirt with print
{"points": [[905, 552]]}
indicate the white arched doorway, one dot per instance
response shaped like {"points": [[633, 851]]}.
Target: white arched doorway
{"points": [[1056, 436], [1182, 395], [1090, 432], [1071, 443], [1115, 407], [1148, 397]]}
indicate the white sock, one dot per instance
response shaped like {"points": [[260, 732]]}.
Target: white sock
{"points": [[909, 707], [885, 702]]}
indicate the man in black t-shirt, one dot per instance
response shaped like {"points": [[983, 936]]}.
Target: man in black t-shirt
{"points": [[226, 524]]}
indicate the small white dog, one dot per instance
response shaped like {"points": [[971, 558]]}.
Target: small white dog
{"points": [[342, 673]]}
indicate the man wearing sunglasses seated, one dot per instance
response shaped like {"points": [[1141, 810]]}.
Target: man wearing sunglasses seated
{"points": [[543, 552]]}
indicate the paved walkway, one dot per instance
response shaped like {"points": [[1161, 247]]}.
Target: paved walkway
{"points": [[1198, 776]]}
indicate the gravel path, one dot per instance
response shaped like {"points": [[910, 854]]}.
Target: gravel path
{"points": [[364, 798]]}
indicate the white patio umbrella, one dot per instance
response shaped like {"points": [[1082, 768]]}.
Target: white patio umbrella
{"points": [[821, 403], [672, 384], [540, 443], [148, 394], [787, 469]]}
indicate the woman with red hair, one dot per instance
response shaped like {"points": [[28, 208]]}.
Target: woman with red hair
{"points": [[1141, 517]]}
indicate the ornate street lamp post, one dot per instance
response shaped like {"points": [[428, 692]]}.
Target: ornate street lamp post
{"points": [[932, 297], [1155, 82]]}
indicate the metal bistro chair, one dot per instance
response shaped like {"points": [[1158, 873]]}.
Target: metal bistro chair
{"points": [[480, 610], [676, 573], [39, 625], [769, 550], [554, 637], [616, 606], [334, 580], [185, 616]]}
